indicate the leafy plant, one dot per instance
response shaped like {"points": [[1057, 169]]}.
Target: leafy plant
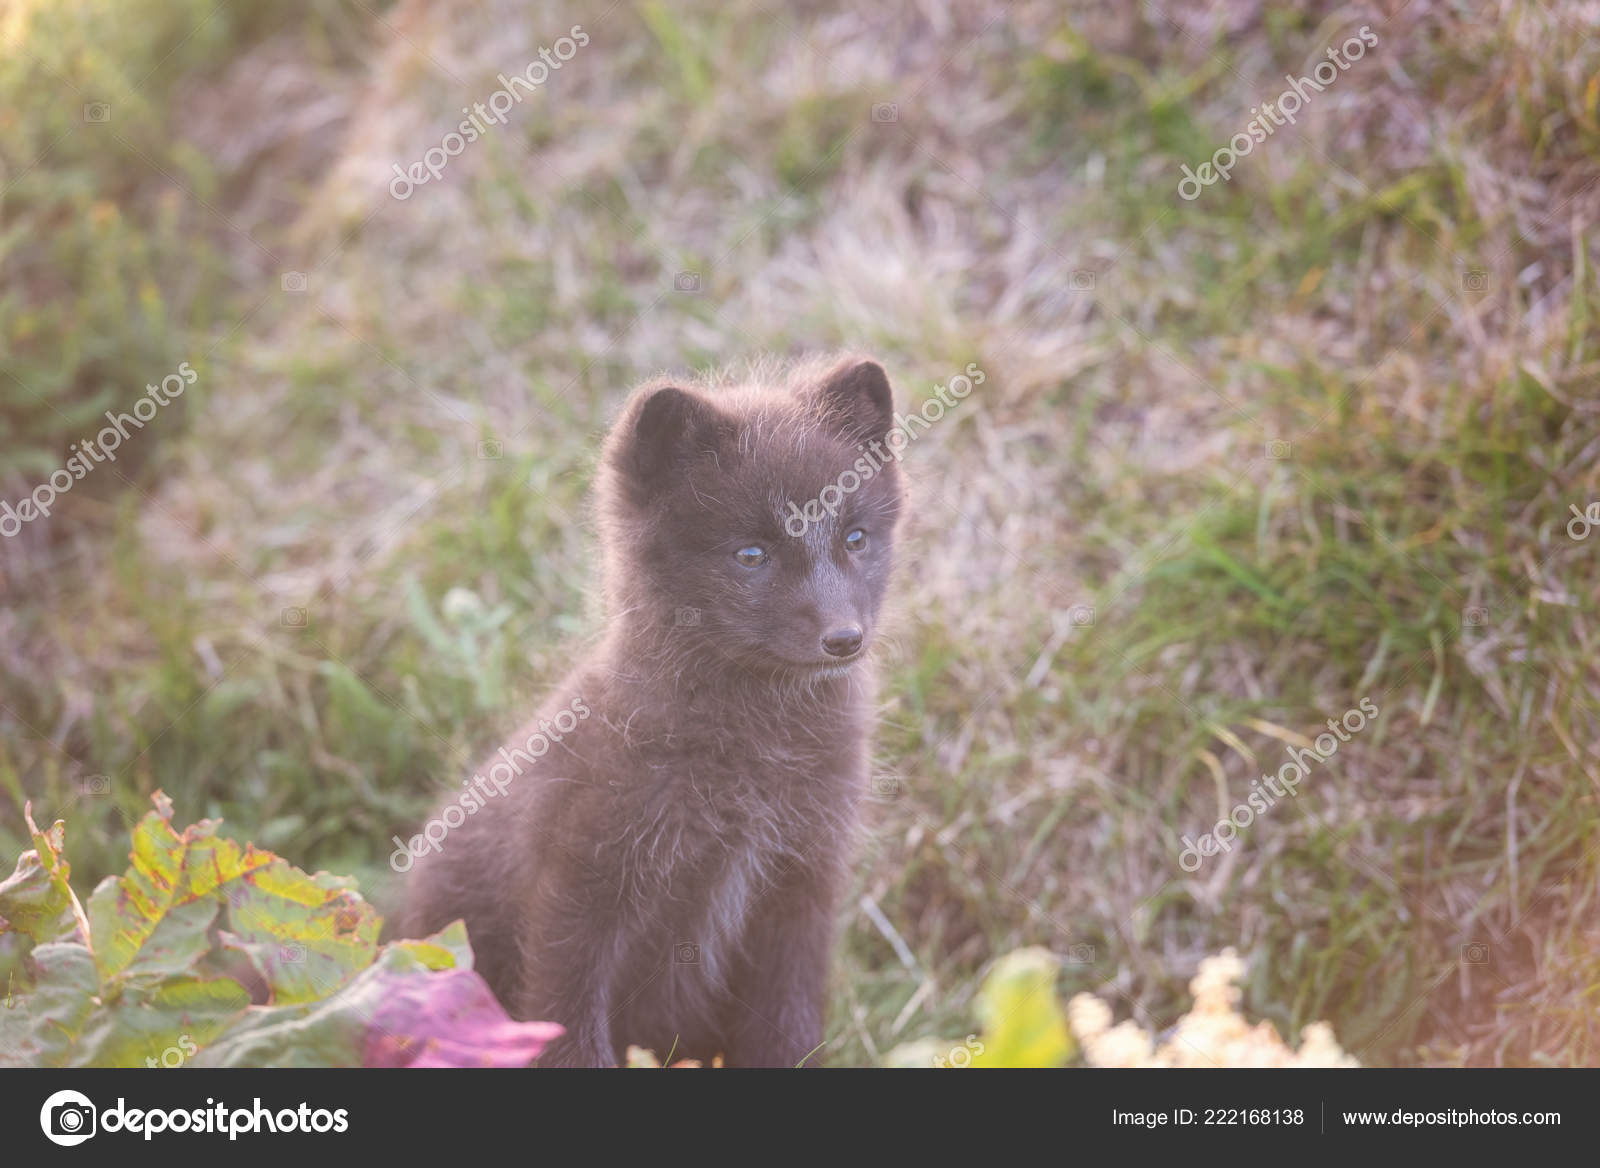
{"points": [[1023, 1025], [228, 951]]}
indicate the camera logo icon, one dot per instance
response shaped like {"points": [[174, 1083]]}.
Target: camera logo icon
{"points": [[686, 282], [1278, 449], [1475, 953], [490, 449], [688, 617], [885, 111], [293, 281], [887, 786], [1081, 280], [292, 953], [1475, 280], [94, 785], [686, 953], [1474, 617], [1081, 616], [67, 1118], [96, 111], [1080, 955], [293, 618]]}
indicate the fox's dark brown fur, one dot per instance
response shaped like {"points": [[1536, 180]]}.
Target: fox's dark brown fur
{"points": [[668, 873]]}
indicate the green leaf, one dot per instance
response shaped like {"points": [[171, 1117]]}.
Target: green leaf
{"points": [[32, 902], [447, 949], [306, 935], [151, 922], [1023, 1025], [188, 907], [39, 1028], [36, 899], [146, 940], [412, 1007], [181, 1013]]}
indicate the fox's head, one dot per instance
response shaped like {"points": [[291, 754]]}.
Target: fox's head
{"points": [[757, 522]]}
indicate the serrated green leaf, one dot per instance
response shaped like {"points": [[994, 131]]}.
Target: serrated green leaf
{"points": [[39, 1028], [146, 942], [36, 899], [32, 903], [141, 1026], [152, 922], [307, 935]]}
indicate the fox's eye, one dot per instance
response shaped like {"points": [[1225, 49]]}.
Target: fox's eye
{"points": [[752, 556], [856, 541]]}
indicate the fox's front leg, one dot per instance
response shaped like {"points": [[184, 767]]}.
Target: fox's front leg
{"points": [[569, 978], [587, 1042], [780, 992]]}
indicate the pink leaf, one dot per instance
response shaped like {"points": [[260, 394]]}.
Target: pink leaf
{"points": [[451, 1019]]}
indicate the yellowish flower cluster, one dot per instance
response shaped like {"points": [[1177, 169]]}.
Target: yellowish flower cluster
{"points": [[1212, 1034], [638, 1058]]}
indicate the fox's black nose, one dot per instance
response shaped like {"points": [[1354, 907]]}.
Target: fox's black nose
{"points": [[842, 642]]}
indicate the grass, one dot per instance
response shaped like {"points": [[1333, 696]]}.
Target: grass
{"points": [[1290, 448]]}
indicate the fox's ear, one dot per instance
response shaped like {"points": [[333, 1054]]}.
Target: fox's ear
{"points": [[668, 428], [856, 395]]}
